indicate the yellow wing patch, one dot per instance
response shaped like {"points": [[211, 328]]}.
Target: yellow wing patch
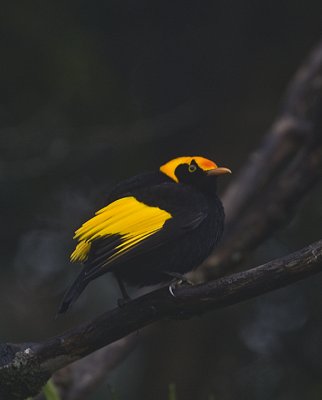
{"points": [[132, 220]]}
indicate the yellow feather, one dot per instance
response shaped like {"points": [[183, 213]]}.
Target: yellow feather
{"points": [[81, 252], [132, 220]]}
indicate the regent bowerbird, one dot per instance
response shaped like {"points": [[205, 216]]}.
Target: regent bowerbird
{"points": [[155, 226]]}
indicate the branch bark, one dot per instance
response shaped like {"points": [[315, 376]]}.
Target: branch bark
{"points": [[278, 175], [26, 367], [292, 129], [77, 380]]}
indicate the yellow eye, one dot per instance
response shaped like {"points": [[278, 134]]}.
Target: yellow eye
{"points": [[192, 168]]}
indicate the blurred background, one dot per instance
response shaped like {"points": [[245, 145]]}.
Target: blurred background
{"points": [[94, 92]]}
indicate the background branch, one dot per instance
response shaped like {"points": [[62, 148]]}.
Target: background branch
{"points": [[278, 175], [293, 128], [26, 367], [77, 380]]}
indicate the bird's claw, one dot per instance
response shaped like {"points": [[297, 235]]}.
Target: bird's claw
{"points": [[171, 287], [178, 280]]}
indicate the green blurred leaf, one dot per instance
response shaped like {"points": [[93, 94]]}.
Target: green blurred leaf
{"points": [[50, 391], [172, 391]]}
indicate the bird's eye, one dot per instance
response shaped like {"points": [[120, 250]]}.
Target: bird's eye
{"points": [[192, 168]]}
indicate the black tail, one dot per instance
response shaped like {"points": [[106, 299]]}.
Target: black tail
{"points": [[73, 293]]}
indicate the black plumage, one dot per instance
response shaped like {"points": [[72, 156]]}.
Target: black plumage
{"points": [[186, 238]]}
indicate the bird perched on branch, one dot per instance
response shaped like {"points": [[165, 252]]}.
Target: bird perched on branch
{"points": [[155, 226]]}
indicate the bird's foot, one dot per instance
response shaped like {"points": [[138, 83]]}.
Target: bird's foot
{"points": [[178, 280]]}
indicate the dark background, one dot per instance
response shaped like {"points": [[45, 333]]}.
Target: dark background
{"points": [[94, 92]]}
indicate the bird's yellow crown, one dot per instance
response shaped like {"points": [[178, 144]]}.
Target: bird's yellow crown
{"points": [[169, 168]]}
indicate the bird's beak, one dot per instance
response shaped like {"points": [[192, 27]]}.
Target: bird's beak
{"points": [[218, 171]]}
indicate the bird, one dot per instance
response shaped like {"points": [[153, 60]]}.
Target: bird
{"points": [[155, 227]]}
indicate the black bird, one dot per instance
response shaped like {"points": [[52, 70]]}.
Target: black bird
{"points": [[155, 226]]}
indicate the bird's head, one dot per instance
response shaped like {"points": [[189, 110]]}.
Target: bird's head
{"points": [[197, 171]]}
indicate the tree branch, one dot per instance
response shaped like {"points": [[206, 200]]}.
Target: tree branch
{"points": [[291, 130], [26, 367], [278, 175], [77, 380]]}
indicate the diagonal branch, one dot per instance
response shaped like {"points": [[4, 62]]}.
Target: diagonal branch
{"points": [[292, 129], [76, 381], [26, 367], [278, 175]]}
